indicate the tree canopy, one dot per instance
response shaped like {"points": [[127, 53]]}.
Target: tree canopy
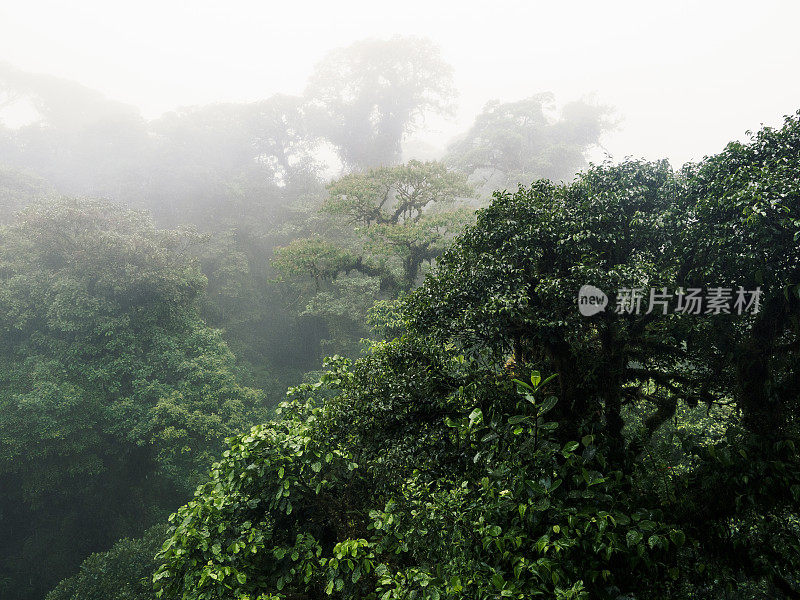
{"points": [[367, 97], [518, 142], [113, 393], [621, 454], [378, 230]]}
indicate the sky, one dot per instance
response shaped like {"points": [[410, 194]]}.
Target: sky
{"points": [[683, 77]]}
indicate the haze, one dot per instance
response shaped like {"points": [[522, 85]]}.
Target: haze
{"points": [[683, 77], [360, 300]]}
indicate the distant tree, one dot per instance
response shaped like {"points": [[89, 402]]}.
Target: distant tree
{"points": [[366, 97], [519, 142], [283, 139], [205, 164], [381, 228], [226, 164], [18, 189], [59, 103], [403, 214], [80, 141]]}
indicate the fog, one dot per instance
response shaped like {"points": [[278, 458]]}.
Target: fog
{"points": [[683, 77], [356, 230]]}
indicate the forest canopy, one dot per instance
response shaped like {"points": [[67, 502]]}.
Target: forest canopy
{"points": [[618, 455], [114, 393], [255, 177], [456, 424]]}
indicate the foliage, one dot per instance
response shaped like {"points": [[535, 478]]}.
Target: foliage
{"points": [[383, 227], [17, 190], [358, 499], [661, 461], [122, 573], [367, 97], [518, 142], [425, 469], [113, 390]]}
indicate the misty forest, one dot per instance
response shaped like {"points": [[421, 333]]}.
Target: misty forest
{"points": [[274, 350]]}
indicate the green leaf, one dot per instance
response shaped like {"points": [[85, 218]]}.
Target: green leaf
{"points": [[522, 384], [633, 537], [547, 405], [497, 580], [535, 379], [677, 536], [570, 447], [476, 416]]}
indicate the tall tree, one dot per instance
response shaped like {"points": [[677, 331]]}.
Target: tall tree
{"points": [[366, 97], [519, 142], [381, 228]]}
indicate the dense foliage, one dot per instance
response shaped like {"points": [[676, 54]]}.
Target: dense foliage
{"points": [[124, 572], [113, 392], [658, 460], [494, 444], [377, 232], [17, 190], [254, 175]]}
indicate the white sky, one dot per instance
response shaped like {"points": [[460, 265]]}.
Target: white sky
{"points": [[685, 77]]}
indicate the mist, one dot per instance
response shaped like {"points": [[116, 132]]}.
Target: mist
{"points": [[681, 75], [291, 300]]}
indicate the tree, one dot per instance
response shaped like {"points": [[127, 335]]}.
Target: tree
{"points": [[404, 210], [428, 468], [79, 141], [114, 392], [382, 227], [124, 572], [366, 97], [725, 223], [518, 142], [744, 232], [228, 163], [531, 253], [18, 189]]}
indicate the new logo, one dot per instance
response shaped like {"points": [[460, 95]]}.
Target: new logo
{"points": [[591, 300]]}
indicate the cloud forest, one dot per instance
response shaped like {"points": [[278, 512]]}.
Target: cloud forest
{"points": [[284, 350]]}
